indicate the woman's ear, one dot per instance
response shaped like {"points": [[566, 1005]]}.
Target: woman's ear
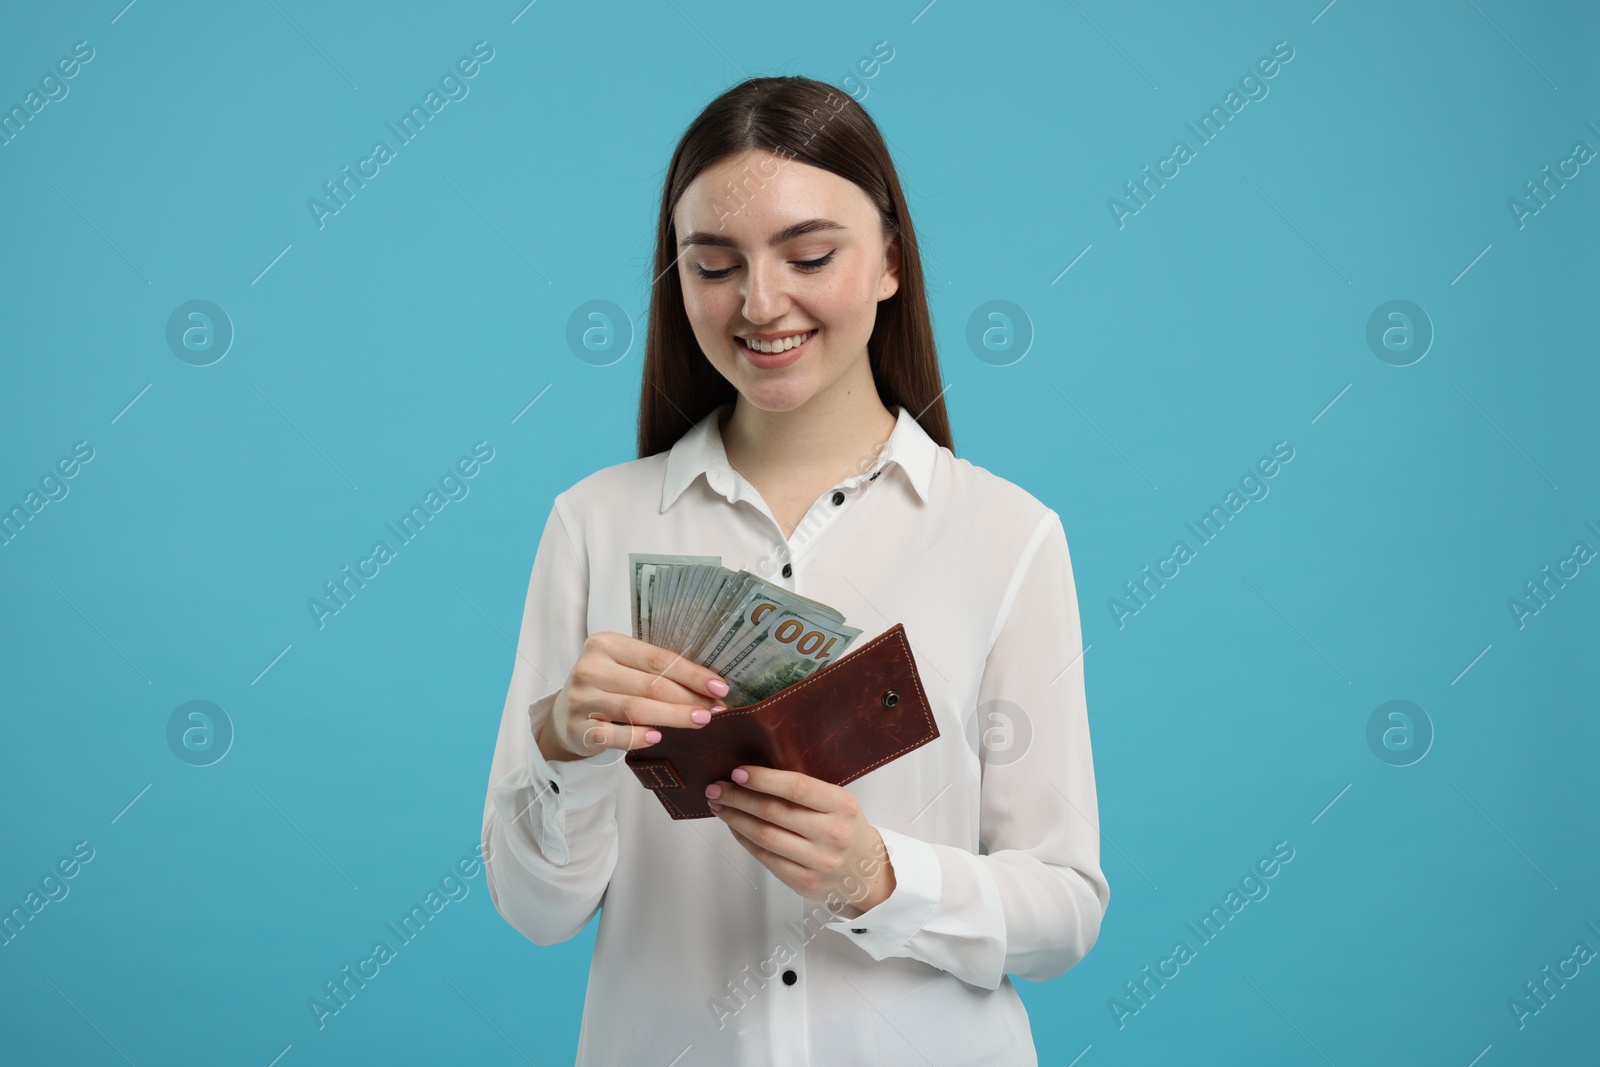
{"points": [[889, 284]]}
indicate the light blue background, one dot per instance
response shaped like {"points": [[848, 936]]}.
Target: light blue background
{"points": [[1227, 315]]}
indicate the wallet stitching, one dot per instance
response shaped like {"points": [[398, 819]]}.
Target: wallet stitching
{"points": [[729, 713], [677, 783], [666, 776], [897, 632], [926, 715]]}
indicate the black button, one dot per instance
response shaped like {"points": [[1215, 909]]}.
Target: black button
{"points": [[838, 498], [790, 978], [788, 571], [858, 929], [875, 474], [553, 785]]}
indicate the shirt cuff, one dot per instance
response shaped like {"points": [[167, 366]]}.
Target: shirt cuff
{"points": [[883, 930], [566, 784]]}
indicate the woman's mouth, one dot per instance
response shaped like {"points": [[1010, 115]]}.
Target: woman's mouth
{"points": [[787, 351]]}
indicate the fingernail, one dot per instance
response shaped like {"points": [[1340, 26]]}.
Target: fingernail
{"points": [[713, 790], [740, 775], [714, 805], [717, 687], [652, 736], [700, 715], [718, 708]]}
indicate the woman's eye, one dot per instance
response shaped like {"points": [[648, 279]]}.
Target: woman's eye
{"points": [[807, 265], [816, 264]]}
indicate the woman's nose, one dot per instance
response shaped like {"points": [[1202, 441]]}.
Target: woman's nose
{"points": [[765, 299]]}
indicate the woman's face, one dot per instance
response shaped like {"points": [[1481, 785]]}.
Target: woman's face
{"points": [[737, 221]]}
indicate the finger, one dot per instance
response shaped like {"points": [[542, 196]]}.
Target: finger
{"points": [[602, 703], [609, 675], [771, 860], [761, 837], [599, 735], [800, 821], [621, 693], [665, 663], [799, 789]]}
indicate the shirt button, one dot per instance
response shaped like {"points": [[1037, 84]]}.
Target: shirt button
{"points": [[875, 474], [838, 498], [790, 978], [553, 785], [858, 929], [788, 571]]}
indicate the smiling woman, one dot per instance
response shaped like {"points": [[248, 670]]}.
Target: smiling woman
{"points": [[791, 422], [815, 277]]}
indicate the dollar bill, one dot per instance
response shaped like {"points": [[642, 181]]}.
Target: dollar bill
{"points": [[786, 649], [759, 636], [644, 566]]}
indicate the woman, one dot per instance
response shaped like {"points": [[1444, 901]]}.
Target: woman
{"points": [[873, 923]]}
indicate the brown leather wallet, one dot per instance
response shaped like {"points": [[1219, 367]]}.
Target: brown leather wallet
{"points": [[863, 710]]}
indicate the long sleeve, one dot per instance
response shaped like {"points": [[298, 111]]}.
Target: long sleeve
{"points": [[1031, 901], [549, 828]]}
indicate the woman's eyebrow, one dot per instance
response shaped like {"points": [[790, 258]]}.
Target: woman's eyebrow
{"points": [[788, 233]]}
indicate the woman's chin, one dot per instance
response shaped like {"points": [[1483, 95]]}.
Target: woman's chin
{"points": [[774, 398]]}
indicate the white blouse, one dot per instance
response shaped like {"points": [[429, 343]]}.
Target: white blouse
{"points": [[703, 956]]}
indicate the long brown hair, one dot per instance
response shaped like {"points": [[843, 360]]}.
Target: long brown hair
{"points": [[801, 119]]}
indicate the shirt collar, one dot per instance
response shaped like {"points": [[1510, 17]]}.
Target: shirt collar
{"points": [[700, 451]]}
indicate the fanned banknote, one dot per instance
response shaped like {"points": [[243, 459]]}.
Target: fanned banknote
{"points": [[643, 568], [760, 637]]}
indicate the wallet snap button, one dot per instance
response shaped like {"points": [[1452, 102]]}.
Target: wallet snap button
{"points": [[890, 698]]}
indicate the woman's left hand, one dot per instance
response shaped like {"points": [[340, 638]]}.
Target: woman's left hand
{"points": [[811, 834]]}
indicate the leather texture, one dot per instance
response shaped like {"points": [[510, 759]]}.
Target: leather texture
{"points": [[865, 709]]}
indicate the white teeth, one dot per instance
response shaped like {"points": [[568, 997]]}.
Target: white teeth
{"points": [[780, 345]]}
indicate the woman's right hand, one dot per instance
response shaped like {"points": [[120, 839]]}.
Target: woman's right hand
{"points": [[620, 688]]}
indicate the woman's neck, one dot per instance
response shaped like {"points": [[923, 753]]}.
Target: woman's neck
{"points": [[822, 441]]}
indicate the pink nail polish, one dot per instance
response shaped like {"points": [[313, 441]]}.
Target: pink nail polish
{"points": [[740, 775], [700, 715], [652, 736], [713, 790], [714, 805], [717, 687]]}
